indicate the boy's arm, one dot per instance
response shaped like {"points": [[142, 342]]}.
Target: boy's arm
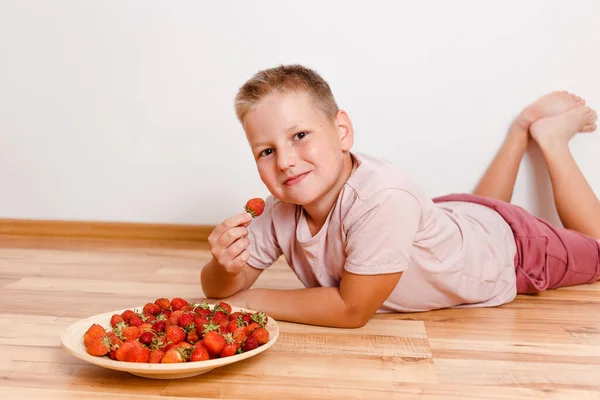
{"points": [[218, 283], [349, 306]]}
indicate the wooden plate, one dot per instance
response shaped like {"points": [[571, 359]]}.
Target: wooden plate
{"points": [[72, 341]]}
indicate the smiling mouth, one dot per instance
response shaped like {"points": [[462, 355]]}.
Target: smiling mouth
{"points": [[294, 180]]}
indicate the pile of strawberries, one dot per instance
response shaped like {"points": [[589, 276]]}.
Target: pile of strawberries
{"points": [[177, 331]]}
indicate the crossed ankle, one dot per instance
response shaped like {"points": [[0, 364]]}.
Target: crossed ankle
{"points": [[526, 119]]}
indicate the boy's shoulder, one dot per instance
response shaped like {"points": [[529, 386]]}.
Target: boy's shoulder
{"points": [[372, 175]]}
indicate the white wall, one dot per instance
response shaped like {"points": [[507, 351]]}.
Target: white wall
{"points": [[123, 110]]}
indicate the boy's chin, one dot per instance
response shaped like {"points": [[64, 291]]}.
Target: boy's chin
{"points": [[298, 201]]}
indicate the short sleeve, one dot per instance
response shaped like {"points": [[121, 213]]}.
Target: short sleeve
{"points": [[263, 247], [381, 231]]}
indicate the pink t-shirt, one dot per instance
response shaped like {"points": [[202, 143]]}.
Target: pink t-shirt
{"points": [[453, 254]]}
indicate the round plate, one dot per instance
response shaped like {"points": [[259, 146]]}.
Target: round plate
{"points": [[72, 341]]}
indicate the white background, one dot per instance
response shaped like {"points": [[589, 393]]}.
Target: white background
{"points": [[123, 110]]}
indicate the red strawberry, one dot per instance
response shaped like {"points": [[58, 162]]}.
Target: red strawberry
{"points": [[165, 313], [158, 342], [205, 313], [261, 335], [178, 353], [175, 334], [196, 307], [200, 321], [239, 335], [138, 353], [131, 333], [192, 336], [159, 326], [163, 303], [115, 319], [228, 350], [112, 354], [174, 318], [169, 346], [98, 345], [220, 318], [135, 320], [235, 315], [149, 318], [127, 314], [225, 307], [186, 320], [214, 342], [145, 327], [172, 356], [250, 344], [93, 331], [255, 207], [184, 345], [151, 309], [252, 327], [122, 351], [199, 353], [247, 318], [201, 306], [115, 341], [233, 325], [146, 338], [156, 356], [178, 303], [187, 308]]}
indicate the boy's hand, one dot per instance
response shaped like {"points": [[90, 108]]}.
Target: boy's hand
{"points": [[228, 243]]}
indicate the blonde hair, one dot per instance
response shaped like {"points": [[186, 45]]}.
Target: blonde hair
{"points": [[286, 78]]}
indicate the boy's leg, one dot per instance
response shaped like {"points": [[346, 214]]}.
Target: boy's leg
{"points": [[577, 205], [499, 179]]}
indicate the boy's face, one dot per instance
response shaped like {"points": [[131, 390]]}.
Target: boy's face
{"points": [[299, 153]]}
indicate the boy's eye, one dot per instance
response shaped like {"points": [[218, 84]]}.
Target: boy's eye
{"points": [[265, 152], [300, 135]]}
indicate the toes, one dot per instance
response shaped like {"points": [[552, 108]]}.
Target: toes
{"points": [[589, 128], [578, 100], [590, 115]]}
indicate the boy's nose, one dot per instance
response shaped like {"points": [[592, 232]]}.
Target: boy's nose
{"points": [[286, 160]]}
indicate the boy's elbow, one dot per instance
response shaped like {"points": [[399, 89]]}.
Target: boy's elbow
{"points": [[207, 288], [355, 318]]}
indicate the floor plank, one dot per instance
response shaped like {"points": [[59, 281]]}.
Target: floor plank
{"points": [[545, 346]]}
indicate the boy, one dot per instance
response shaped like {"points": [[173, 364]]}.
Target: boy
{"points": [[364, 238]]}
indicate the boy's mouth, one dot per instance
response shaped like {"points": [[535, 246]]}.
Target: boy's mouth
{"points": [[291, 181]]}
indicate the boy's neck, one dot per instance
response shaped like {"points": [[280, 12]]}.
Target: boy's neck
{"points": [[317, 213]]}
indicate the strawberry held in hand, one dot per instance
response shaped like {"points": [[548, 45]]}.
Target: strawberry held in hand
{"points": [[255, 207]]}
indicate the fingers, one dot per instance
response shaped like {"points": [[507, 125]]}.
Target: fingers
{"points": [[229, 230], [231, 222], [229, 243], [233, 263], [237, 264], [232, 235]]}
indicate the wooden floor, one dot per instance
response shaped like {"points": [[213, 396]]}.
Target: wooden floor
{"points": [[543, 347]]}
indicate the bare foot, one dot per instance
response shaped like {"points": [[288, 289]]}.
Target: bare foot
{"points": [[559, 129], [547, 106]]}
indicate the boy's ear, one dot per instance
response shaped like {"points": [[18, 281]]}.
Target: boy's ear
{"points": [[345, 130]]}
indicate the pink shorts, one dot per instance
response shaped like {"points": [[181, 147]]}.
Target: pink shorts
{"points": [[547, 257]]}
